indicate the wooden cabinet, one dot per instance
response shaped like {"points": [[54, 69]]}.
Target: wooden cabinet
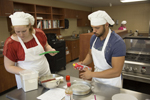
{"points": [[73, 46], [83, 21], [84, 47], [58, 14], [71, 13], [49, 19], [6, 7], [7, 79], [81, 16]]}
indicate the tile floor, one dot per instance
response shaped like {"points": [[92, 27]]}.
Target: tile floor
{"points": [[69, 71]]}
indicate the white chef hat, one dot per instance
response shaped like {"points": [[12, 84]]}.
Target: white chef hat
{"points": [[100, 18], [21, 18], [124, 22]]}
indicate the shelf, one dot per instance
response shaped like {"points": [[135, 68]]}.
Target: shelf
{"points": [[42, 13], [51, 28], [52, 18], [58, 17], [58, 11], [43, 9], [44, 16], [23, 7], [58, 14]]}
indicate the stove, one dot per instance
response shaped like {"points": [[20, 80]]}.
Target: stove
{"points": [[137, 58], [136, 69], [137, 64]]}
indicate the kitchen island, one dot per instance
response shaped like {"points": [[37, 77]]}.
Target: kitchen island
{"points": [[102, 92]]}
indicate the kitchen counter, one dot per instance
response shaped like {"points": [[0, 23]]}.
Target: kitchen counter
{"points": [[102, 92]]}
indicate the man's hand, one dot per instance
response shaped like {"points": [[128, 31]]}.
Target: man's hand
{"points": [[86, 75], [81, 62]]}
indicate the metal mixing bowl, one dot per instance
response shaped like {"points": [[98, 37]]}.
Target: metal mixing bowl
{"points": [[49, 84]]}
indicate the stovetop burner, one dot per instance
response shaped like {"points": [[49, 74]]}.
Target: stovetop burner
{"points": [[137, 57]]}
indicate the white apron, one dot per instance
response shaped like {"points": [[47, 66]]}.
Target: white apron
{"points": [[33, 60], [124, 29], [101, 64]]}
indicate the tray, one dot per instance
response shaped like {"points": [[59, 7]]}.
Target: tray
{"points": [[81, 87]]}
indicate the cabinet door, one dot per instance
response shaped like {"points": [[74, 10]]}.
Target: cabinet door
{"points": [[75, 49], [6, 7], [83, 21], [7, 78], [84, 45], [69, 13]]}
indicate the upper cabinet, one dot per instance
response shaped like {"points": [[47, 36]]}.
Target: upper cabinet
{"points": [[49, 19], [81, 16], [83, 21], [25, 7], [70, 13], [58, 16], [6, 7]]}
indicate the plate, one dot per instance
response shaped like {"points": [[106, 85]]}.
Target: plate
{"points": [[123, 96]]}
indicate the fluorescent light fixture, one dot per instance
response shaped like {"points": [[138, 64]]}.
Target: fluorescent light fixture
{"points": [[125, 1]]}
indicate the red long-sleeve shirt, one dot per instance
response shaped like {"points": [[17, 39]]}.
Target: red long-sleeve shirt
{"points": [[14, 51]]}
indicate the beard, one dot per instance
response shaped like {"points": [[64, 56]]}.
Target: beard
{"points": [[102, 33]]}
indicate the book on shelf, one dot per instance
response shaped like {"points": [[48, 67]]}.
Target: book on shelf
{"points": [[56, 23], [49, 24], [44, 24], [39, 24]]}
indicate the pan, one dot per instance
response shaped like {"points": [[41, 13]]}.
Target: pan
{"points": [[81, 87]]}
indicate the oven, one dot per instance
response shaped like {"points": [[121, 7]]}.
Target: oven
{"points": [[136, 70]]}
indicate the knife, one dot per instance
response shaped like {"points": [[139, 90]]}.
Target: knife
{"points": [[49, 52]]}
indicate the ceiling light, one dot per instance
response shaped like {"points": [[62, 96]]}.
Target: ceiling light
{"points": [[125, 1]]}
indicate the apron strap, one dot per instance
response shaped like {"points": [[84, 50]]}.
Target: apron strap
{"points": [[23, 45], [106, 41], [36, 39]]}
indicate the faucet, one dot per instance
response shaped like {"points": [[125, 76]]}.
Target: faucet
{"points": [[73, 33]]}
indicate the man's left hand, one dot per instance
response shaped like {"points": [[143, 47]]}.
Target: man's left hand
{"points": [[86, 75]]}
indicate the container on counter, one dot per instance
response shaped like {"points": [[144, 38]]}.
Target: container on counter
{"points": [[67, 78], [68, 92], [29, 79]]}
